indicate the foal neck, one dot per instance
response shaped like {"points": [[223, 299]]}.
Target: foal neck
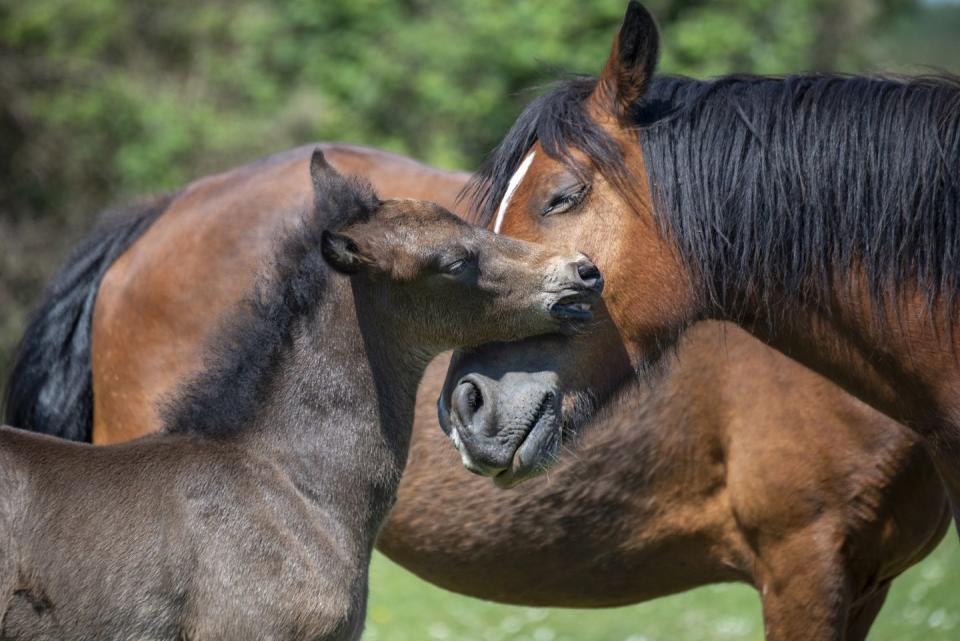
{"points": [[339, 416]]}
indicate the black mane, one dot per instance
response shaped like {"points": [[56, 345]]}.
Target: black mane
{"points": [[778, 183], [246, 351]]}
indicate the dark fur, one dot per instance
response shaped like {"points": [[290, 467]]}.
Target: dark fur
{"points": [[247, 351], [50, 388], [778, 184]]}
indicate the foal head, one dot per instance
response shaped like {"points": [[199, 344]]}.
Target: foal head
{"points": [[442, 283], [420, 282]]}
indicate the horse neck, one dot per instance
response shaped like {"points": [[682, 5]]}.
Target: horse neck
{"points": [[902, 362], [799, 222], [339, 416], [785, 221], [903, 357]]}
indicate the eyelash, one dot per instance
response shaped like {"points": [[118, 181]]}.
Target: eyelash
{"points": [[456, 267], [569, 199]]}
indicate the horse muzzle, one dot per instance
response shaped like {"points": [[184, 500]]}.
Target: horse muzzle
{"points": [[508, 429]]}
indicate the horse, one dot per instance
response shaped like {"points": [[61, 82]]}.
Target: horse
{"points": [[818, 213], [254, 515], [655, 519]]}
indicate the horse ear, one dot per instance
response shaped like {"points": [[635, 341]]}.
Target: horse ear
{"points": [[632, 61], [342, 253]]}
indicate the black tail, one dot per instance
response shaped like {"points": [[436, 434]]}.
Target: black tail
{"points": [[50, 389]]}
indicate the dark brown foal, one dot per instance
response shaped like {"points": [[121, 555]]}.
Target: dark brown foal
{"points": [[254, 516]]}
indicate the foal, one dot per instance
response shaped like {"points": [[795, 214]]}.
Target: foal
{"points": [[255, 515]]}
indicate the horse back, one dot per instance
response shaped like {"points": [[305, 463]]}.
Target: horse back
{"points": [[26, 608], [160, 300]]}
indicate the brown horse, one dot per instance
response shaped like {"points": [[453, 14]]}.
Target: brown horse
{"points": [[686, 479], [254, 516], [820, 213]]}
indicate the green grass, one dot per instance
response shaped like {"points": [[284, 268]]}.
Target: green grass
{"points": [[922, 605]]}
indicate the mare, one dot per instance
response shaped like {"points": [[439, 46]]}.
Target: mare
{"points": [[817, 212], [685, 476], [254, 515]]}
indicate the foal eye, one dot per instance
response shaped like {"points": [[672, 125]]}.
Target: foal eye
{"points": [[566, 200], [456, 267]]}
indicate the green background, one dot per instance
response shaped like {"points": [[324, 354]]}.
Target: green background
{"points": [[103, 100]]}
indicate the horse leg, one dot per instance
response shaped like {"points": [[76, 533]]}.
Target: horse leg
{"points": [[804, 590], [865, 613]]}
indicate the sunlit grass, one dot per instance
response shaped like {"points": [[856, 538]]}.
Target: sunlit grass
{"points": [[923, 605]]}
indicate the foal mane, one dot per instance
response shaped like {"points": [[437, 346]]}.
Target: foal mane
{"points": [[777, 184], [245, 353]]}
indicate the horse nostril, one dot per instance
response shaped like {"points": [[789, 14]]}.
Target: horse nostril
{"points": [[473, 397], [467, 401], [474, 429]]}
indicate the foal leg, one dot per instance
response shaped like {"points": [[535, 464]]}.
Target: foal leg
{"points": [[804, 590]]}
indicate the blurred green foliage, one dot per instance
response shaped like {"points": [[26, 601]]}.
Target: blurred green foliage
{"points": [[101, 100], [109, 98]]}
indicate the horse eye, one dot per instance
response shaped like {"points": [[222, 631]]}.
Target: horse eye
{"points": [[566, 200]]}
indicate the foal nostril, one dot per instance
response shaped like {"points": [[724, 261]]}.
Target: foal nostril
{"points": [[589, 275]]}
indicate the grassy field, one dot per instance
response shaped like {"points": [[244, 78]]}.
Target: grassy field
{"points": [[923, 606]]}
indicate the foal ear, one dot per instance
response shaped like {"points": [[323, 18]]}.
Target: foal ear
{"points": [[322, 173], [632, 61], [342, 253]]}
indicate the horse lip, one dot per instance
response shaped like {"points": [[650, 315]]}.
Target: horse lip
{"points": [[520, 470], [447, 418]]}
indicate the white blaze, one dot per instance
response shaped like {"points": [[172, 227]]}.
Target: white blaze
{"points": [[512, 187]]}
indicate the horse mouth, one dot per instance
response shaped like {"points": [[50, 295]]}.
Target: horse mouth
{"points": [[537, 450]]}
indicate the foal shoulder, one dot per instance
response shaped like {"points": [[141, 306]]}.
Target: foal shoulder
{"points": [[14, 479]]}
